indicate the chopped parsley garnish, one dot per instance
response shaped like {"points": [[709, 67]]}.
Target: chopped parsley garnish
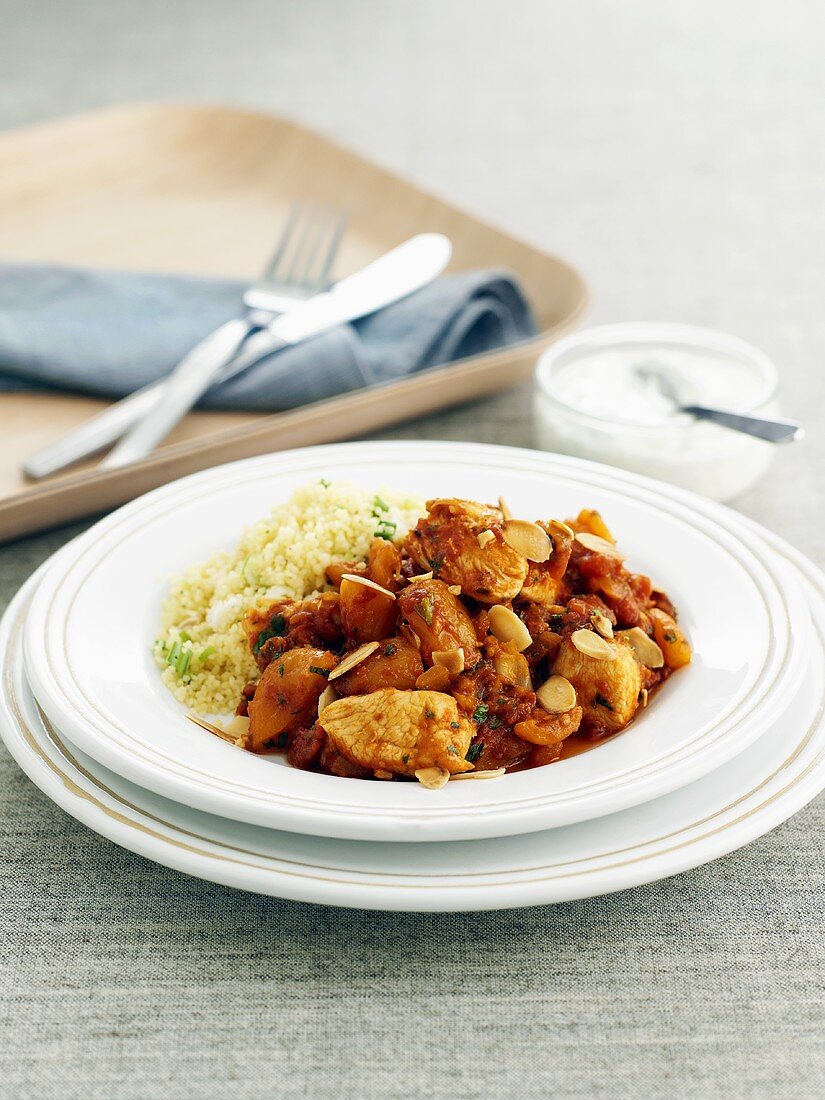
{"points": [[179, 657], [385, 528], [281, 742], [556, 622], [276, 629], [182, 665], [405, 759], [436, 563], [429, 713], [670, 636], [425, 610], [390, 649], [452, 750], [600, 701], [480, 713], [317, 670], [475, 751], [280, 669], [323, 481], [493, 721], [455, 725]]}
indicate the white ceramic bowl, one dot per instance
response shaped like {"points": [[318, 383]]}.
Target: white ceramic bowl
{"points": [[696, 455]]}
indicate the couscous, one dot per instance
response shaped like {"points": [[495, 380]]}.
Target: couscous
{"points": [[201, 647]]}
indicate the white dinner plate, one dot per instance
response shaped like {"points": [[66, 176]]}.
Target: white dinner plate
{"points": [[742, 800], [92, 621]]}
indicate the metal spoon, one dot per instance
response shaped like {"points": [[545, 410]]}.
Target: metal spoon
{"points": [[774, 431]]}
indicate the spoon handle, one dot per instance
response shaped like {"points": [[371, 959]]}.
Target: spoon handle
{"points": [[774, 431]]}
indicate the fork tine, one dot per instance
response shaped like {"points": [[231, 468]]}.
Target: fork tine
{"points": [[303, 242], [328, 258], [312, 238], [283, 242]]}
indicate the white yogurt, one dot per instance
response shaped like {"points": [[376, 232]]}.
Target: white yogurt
{"points": [[600, 396]]}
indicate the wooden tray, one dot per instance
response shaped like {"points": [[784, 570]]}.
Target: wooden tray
{"points": [[201, 189]]}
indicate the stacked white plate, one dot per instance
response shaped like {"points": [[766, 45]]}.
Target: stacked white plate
{"points": [[733, 745]]}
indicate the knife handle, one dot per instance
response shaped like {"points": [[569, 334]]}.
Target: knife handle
{"points": [[179, 393], [104, 429], [93, 435]]}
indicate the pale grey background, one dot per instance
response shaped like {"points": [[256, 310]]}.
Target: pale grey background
{"points": [[675, 153]]}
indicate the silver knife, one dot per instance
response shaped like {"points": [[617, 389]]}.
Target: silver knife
{"points": [[154, 410]]}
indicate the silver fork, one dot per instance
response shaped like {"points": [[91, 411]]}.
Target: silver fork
{"points": [[299, 268]]}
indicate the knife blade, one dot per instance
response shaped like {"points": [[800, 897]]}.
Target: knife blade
{"points": [[391, 277]]}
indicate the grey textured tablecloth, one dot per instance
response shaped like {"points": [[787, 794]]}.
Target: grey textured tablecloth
{"points": [[675, 153]]}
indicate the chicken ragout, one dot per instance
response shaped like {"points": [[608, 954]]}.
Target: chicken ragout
{"points": [[475, 645]]}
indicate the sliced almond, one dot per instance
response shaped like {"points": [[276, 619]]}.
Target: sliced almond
{"points": [[592, 645], [643, 695], [505, 511], [598, 545], [352, 659], [367, 583], [436, 678], [237, 726], [218, 731], [212, 727], [508, 627], [513, 668], [485, 537], [491, 773], [422, 577], [382, 773], [602, 624], [327, 696], [528, 539], [556, 695], [432, 778], [451, 659], [455, 589], [560, 525], [646, 650]]}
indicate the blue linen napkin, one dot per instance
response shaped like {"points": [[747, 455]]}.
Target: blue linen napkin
{"points": [[108, 333]]}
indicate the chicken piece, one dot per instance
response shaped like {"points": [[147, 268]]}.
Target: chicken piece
{"points": [[367, 613], [286, 698], [606, 690], [513, 668], [395, 664], [399, 731], [545, 729], [544, 578], [438, 619], [290, 624], [447, 541]]}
